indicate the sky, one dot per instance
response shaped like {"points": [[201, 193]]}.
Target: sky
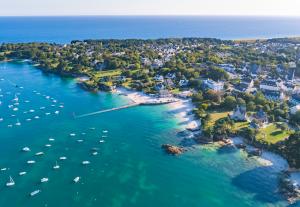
{"points": [[149, 7]]}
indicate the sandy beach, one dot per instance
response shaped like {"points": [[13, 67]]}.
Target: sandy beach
{"points": [[181, 108]]}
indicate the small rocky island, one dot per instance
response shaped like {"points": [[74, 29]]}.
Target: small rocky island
{"points": [[172, 150]]}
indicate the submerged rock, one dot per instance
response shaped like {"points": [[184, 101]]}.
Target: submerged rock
{"points": [[288, 188], [173, 150]]}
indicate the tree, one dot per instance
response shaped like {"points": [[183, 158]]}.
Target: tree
{"points": [[229, 102]]}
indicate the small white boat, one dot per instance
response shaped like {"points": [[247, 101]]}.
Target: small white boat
{"points": [[94, 153], [56, 112], [15, 109], [63, 158], [47, 97], [47, 113], [105, 131], [92, 128], [26, 149], [22, 173], [42, 108], [36, 117], [35, 192], [26, 101], [51, 139], [76, 180], [1, 119], [28, 119], [31, 110], [72, 135], [44, 180], [30, 162], [85, 162], [18, 123], [11, 182], [48, 145], [56, 166], [39, 153], [9, 126], [79, 140], [83, 133], [3, 169], [61, 106], [101, 141]]}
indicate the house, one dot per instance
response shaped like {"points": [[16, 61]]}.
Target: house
{"points": [[295, 99], [157, 64], [171, 76], [273, 95], [216, 86], [183, 82], [259, 119], [227, 67], [169, 83], [146, 61], [246, 85], [160, 86], [159, 78], [239, 114], [185, 94], [255, 69], [269, 85], [295, 109]]}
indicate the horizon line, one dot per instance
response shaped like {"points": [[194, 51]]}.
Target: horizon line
{"points": [[154, 15]]}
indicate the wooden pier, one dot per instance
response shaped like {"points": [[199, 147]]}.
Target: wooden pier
{"points": [[125, 107]]}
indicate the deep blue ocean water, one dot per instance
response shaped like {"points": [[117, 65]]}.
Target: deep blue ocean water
{"points": [[65, 29]]}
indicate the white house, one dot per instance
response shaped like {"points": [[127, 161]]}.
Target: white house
{"points": [[239, 114], [216, 86]]}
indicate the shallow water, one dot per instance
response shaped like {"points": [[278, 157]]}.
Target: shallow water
{"points": [[130, 168]]}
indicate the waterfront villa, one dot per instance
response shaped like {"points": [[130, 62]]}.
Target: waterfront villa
{"points": [[239, 114], [259, 120], [216, 86]]}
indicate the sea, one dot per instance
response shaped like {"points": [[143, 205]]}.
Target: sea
{"points": [[66, 29], [126, 165]]}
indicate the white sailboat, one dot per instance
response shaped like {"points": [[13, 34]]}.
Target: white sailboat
{"points": [[22, 173], [39, 153], [11, 182], [35, 192], [56, 166], [26, 149], [18, 123], [76, 180], [85, 162], [63, 158], [44, 180]]}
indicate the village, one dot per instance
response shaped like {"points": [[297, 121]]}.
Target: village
{"points": [[248, 89]]}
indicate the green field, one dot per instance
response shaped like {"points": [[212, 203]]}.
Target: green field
{"points": [[272, 134]]}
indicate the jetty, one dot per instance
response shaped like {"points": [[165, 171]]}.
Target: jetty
{"points": [[152, 102]]}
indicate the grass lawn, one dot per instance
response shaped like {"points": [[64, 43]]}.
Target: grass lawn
{"points": [[107, 73], [215, 116], [271, 134], [240, 125]]}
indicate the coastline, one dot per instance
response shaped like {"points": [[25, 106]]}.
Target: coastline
{"points": [[181, 108]]}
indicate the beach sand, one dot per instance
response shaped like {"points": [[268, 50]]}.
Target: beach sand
{"points": [[181, 108]]}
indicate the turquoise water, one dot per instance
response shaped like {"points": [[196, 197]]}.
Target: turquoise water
{"points": [[66, 29], [130, 169]]}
